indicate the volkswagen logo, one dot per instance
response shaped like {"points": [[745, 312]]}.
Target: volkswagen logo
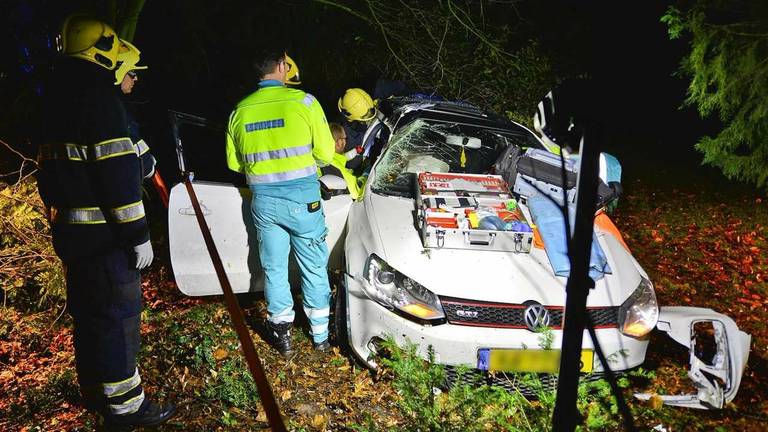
{"points": [[536, 316]]}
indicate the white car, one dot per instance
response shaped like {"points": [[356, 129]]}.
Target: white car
{"points": [[476, 307]]}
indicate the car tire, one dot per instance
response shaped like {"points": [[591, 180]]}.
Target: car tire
{"points": [[339, 319]]}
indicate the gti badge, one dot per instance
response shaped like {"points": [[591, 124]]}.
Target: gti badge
{"points": [[466, 313], [536, 316]]}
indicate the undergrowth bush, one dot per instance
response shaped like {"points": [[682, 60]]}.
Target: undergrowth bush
{"points": [[425, 404], [31, 274], [203, 341]]}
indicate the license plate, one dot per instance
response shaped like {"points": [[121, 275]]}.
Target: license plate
{"points": [[525, 360]]}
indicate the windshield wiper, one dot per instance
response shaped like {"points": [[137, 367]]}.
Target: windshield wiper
{"points": [[391, 192]]}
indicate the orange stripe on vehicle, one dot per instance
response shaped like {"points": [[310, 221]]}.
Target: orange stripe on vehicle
{"points": [[606, 224], [537, 241]]}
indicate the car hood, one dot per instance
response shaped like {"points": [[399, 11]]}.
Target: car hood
{"points": [[488, 275]]}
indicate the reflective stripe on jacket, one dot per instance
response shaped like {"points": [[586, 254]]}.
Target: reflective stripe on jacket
{"points": [[278, 134]]}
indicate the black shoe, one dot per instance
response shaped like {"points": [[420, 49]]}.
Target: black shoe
{"points": [[321, 346], [281, 337], [151, 415]]}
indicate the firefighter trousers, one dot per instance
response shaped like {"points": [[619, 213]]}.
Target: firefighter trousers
{"points": [[281, 226], [104, 300]]}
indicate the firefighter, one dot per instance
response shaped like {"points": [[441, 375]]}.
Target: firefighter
{"points": [[277, 137], [359, 111], [90, 181], [128, 57]]}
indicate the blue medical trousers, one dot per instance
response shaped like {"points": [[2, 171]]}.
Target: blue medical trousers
{"points": [[104, 299], [282, 225]]}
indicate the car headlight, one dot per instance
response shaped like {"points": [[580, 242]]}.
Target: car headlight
{"points": [[640, 312], [400, 293]]}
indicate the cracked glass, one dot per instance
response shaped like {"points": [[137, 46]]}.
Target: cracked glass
{"points": [[423, 146]]}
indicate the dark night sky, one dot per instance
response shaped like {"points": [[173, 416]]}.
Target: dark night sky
{"points": [[195, 56]]}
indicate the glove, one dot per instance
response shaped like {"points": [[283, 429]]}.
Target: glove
{"points": [[144, 255], [152, 171]]}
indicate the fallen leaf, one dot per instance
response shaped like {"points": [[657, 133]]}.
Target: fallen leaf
{"points": [[220, 354], [318, 421], [285, 395], [262, 417], [656, 402]]}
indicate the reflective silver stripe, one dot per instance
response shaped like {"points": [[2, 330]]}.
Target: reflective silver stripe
{"points": [[277, 154], [112, 148], [85, 215], [93, 215], [319, 329], [141, 147], [100, 151], [350, 154], [69, 151], [122, 387], [308, 99], [128, 213], [317, 313], [128, 407], [283, 176]]}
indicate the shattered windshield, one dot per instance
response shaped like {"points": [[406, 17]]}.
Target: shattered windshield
{"points": [[440, 148]]}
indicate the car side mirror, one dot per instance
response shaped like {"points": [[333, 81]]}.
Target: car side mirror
{"points": [[332, 185]]}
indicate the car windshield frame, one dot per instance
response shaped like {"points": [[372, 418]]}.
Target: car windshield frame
{"points": [[439, 141]]}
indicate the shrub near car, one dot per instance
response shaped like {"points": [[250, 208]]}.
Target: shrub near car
{"points": [[441, 253]]}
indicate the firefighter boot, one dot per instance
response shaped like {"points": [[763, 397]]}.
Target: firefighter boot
{"points": [[321, 346], [281, 337], [151, 414]]}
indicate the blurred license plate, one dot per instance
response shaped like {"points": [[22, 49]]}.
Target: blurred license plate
{"points": [[522, 360]]}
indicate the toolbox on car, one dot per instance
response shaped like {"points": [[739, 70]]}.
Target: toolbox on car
{"points": [[451, 211]]}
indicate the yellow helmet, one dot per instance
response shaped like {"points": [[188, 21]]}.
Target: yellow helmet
{"points": [[91, 40], [357, 105], [292, 76], [127, 57]]}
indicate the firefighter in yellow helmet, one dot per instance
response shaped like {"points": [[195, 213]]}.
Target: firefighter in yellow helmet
{"points": [[277, 137], [356, 105], [359, 111], [90, 180]]}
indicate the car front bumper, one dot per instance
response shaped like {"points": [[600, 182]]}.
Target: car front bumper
{"points": [[368, 321]]}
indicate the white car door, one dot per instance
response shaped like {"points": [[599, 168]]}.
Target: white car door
{"points": [[227, 211]]}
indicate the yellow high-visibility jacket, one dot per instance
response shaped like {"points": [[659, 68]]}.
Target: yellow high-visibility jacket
{"points": [[339, 162], [278, 134]]}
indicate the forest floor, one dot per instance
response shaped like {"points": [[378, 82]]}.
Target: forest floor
{"points": [[700, 248]]}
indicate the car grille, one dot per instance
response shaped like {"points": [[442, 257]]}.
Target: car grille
{"points": [[529, 385], [505, 315]]}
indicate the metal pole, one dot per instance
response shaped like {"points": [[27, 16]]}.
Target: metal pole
{"points": [[566, 415]]}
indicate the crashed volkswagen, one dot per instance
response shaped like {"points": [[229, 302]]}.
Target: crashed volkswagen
{"points": [[423, 262]]}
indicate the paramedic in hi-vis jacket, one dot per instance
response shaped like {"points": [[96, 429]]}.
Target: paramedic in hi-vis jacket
{"points": [[90, 180], [277, 137]]}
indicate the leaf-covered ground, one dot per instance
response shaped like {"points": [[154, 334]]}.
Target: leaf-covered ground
{"points": [[700, 249]]}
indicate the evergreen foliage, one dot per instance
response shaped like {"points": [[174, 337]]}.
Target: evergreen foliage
{"points": [[728, 69]]}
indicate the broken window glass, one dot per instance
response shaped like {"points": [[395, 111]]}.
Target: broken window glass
{"points": [[423, 146]]}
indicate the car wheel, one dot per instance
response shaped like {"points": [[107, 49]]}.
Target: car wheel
{"points": [[339, 318]]}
